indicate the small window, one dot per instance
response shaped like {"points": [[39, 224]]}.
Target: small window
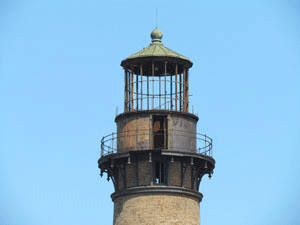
{"points": [[159, 173]]}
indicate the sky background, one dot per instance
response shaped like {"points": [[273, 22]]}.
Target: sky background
{"points": [[61, 81]]}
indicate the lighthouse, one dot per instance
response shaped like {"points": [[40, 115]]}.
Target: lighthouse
{"points": [[156, 159]]}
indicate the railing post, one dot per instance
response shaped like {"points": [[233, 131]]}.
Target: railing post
{"points": [[165, 137], [171, 139], [112, 143], [136, 138], [211, 148], [149, 141], [102, 146], [151, 136], [192, 143], [205, 143], [116, 144]]}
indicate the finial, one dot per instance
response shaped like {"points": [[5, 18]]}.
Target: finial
{"points": [[156, 19], [156, 36]]}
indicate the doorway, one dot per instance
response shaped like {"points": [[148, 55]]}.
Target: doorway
{"points": [[160, 132]]}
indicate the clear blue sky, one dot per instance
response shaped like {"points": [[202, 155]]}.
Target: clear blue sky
{"points": [[61, 80]]}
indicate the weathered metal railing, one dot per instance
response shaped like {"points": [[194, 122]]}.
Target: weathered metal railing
{"points": [[170, 140]]}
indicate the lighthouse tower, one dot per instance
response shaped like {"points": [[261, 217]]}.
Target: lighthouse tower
{"points": [[156, 159]]}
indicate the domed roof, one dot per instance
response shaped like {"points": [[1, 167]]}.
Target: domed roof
{"points": [[156, 49]]}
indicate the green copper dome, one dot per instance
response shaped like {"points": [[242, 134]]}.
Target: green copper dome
{"points": [[156, 49]]}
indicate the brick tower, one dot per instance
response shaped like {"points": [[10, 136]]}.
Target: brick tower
{"points": [[156, 159]]}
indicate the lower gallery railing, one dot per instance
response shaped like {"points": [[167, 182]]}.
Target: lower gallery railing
{"points": [[167, 139]]}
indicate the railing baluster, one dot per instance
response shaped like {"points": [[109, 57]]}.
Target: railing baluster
{"points": [[102, 146], [112, 143], [205, 144], [210, 147]]}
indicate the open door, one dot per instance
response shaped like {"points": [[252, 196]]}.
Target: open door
{"points": [[160, 132]]}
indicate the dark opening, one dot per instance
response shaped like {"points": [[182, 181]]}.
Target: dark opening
{"points": [[159, 173], [160, 135]]}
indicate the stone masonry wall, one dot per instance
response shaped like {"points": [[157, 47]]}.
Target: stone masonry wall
{"points": [[157, 209]]}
